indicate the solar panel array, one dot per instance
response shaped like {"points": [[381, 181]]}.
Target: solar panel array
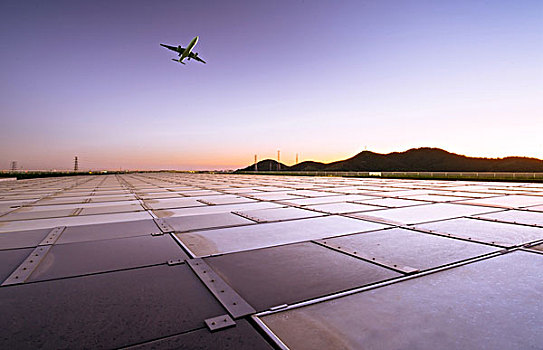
{"points": [[171, 260]]}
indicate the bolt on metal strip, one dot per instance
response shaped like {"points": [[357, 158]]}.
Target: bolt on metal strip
{"points": [[219, 322], [505, 222], [396, 267], [52, 236], [226, 295], [450, 235], [21, 274], [247, 216], [163, 225]]}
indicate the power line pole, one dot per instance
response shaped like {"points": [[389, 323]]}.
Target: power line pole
{"points": [[76, 165], [256, 164]]}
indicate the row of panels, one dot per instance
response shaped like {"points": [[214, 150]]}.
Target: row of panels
{"points": [[165, 260]]}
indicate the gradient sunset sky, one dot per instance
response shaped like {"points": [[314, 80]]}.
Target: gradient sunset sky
{"points": [[325, 79]]}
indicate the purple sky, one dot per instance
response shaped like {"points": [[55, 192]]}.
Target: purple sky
{"points": [[324, 79]]}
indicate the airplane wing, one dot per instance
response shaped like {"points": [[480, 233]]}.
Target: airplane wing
{"points": [[195, 57], [174, 48]]}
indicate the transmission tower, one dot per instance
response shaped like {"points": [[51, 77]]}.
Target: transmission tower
{"points": [[13, 166], [76, 165], [256, 164]]}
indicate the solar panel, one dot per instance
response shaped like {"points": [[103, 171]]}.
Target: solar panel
{"points": [[469, 307], [293, 273], [176, 260], [407, 250], [423, 213], [237, 239], [105, 310]]}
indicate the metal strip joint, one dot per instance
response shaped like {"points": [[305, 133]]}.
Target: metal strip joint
{"points": [[23, 272], [226, 295], [52, 236]]}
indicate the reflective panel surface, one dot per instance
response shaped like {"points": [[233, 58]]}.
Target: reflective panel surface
{"points": [[470, 307], [502, 234], [292, 273], [269, 234]]}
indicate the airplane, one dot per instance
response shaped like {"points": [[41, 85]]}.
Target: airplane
{"points": [[185, 52]]}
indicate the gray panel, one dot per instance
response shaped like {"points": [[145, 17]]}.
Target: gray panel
{"points": [[292, 273], [159, 195], [225, 199], [66, 260], [278, 214], [21, 214], [107, 231], [23, 225], [111, 209], [328, 199], [105, 310], [98, 199], [198, 193], [234, 239], [422, 213], [511, 201], [240, 337], [10, 260], [392, 202], [517, 216], [173, 203], [199, 222], [36, 208], [399, 248], [22, 239], [342, 208], [498, 233], [437, 198], [492, 304], [273, 196], [213, 209]]}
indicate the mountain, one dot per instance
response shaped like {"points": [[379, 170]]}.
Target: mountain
{"points": [[416, 159], [266, 165]]}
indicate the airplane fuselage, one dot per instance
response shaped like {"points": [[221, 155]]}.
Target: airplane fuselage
{"points": [[188, 50]]}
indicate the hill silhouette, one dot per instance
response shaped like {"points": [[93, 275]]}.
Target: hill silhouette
{"points": [[416, 159]]}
